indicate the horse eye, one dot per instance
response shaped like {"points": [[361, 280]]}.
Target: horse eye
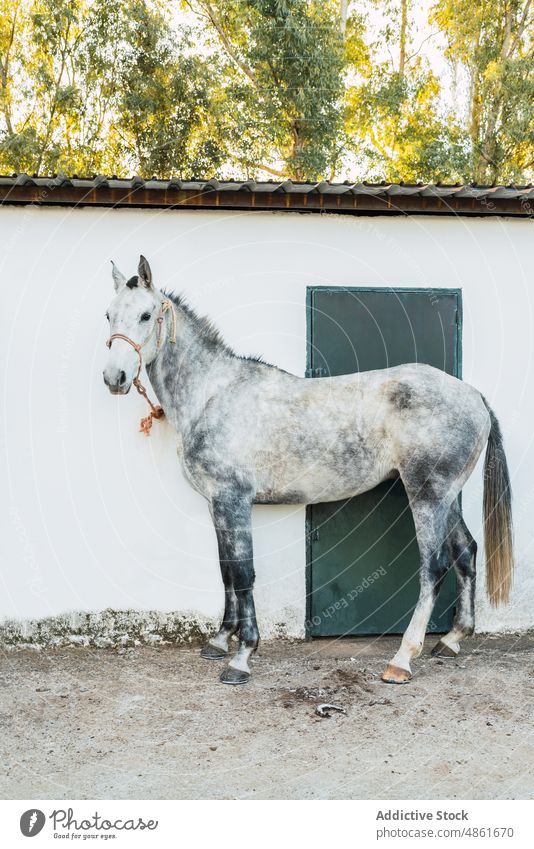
{"points": [[145, 316], [107, 316]]}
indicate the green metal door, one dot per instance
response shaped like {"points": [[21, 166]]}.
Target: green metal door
{"points": [[363, 559]]}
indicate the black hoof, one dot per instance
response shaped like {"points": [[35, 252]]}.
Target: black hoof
{"points": [[441, 650], [210, 652], [234, 676]]}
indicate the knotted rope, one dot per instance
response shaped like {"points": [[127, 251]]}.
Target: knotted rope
{"points": [[156, 411]]}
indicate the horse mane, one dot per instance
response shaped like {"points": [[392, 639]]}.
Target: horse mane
{"points": [[207, 330]]}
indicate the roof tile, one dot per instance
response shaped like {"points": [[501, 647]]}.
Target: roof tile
{"points": [[345, 196]]}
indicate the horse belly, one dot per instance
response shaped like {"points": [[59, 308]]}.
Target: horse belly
{"points": [[319, 479]]}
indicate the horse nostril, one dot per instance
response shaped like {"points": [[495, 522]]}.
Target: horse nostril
{"points": [[122, 378]]}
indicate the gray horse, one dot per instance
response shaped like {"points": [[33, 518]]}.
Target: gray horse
{"points": [[250, 433]]}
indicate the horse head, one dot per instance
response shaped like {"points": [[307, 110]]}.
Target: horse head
{"points": [[135, 318]]}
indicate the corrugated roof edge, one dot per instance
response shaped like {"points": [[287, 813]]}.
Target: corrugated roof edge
{"points": [[353, 198]]}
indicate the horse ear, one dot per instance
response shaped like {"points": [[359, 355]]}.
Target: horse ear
{"points": [[118, 278], [144, 272]]}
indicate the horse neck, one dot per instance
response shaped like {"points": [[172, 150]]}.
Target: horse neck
{"points": [[179, 372]]}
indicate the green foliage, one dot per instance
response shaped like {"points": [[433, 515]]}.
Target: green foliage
{"points": [[282, 75], [493, 41], [164, 103], [306, 89], [393, 112], [101, 86]]}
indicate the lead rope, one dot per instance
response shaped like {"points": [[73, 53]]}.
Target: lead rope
{"points": [[156, 411]]}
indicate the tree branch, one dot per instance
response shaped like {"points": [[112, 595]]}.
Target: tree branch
{"points": [[227, 44], [521, 28], [381, 149], [416, 53], [249, 163]]}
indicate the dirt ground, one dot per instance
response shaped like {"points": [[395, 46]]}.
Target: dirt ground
{"points": [[154, 723]]}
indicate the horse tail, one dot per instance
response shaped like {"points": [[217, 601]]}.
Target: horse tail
{"points": [[497, 511]]}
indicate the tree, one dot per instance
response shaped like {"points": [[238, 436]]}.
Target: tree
{"points": [[282, 83], [393, 106], [101, 87], [165, 105], [307, 89], [493, 41]]}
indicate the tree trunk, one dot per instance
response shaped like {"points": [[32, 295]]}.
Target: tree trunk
{"points": [[4, 75], [403, 36], [343, 13]]}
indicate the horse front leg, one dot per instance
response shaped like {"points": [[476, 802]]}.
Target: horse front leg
{"points": [[217, 647], [232, 517]]}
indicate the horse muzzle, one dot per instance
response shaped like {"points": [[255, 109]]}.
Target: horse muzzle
{"points": [[116, 381]]}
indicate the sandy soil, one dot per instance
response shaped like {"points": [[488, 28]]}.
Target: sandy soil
{"points": [[154, 723]]}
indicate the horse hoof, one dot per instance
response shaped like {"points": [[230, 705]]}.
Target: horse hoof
{"points": [[395, 675], [443, 650], [210, 652], [234, 676]]}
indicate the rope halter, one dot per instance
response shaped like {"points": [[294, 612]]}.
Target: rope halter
{"points": [[156, 411]]}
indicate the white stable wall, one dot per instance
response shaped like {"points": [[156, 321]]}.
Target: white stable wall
{"points": [[94, 515]]}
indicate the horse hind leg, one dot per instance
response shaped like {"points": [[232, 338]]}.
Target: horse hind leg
{"points": [[463, 551], [431, 529]]}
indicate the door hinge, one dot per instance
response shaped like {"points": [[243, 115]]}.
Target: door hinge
{"points": [[314, 535], [316, 372]]}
